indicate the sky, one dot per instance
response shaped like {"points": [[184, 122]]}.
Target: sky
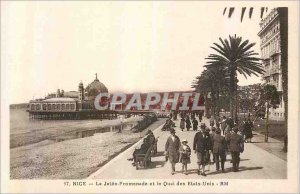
{"points": [[132, 46]]}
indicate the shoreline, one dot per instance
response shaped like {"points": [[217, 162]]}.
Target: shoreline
{"points": [[51, 133]]}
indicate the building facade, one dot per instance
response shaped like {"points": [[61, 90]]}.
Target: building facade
{"points": [[271, 54], [71, 104]]}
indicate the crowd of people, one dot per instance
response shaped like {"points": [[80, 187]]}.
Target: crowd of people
{"points": [[211, 144]]}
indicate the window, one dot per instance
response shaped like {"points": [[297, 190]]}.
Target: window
{"points": [[32, 106], [49, 106], [72, 106], [58, 106], [63, 106], [68, 106], [44, 106], [53, 106], [38, 107]]}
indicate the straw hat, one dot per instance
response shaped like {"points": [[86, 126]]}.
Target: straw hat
{"points": [[184, 140]]}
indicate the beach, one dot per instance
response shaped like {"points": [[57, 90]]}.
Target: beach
{"points": [[38, 155]]}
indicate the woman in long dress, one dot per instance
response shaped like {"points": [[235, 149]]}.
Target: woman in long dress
{"points": [[182, 124], [188, 123]]}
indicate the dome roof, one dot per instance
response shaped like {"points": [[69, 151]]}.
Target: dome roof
{"points": [[96, 87]]}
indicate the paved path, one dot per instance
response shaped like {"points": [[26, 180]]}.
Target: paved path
{"points": [[256, 163]]}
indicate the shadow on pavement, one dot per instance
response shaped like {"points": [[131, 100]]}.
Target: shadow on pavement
{"points": [[154, 164], [158, 154], [243, 168], [229, 160], [189, 171]]}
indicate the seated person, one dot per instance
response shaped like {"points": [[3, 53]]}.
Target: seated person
{"points": [[142, 150], [151, 137]]}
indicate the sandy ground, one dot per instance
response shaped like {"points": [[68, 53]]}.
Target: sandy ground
{"points": [[71, 159]]}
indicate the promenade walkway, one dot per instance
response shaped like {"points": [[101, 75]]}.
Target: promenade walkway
{"points": [[256, 163]]}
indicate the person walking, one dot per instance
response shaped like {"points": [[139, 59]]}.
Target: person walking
{"points": [[175, 115], [219, 146], [188, 122], [228, 133], [236, 147], [199, 146], [195, 124], [200, 116], [172, 149], [208, 145], [185, 155], [182, 124], [212, 122], [247, 127], [212, 134], [223, 124], [218, 121]]}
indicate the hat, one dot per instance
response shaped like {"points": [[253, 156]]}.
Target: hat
{"points": [[202, 126], [149, 131], [213, 128], [172, 130], [184, 140], [218, 131]]}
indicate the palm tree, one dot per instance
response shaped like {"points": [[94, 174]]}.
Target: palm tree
{"points": [[220, 79], [204, 85], [283, 19], [235, 56], [213, 80]]}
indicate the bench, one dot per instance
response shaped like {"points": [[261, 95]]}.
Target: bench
{"points": [[143, 159]]}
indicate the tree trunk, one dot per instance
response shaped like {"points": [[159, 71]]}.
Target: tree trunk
{"points": [[231, 94], [236, 119], [267, 124], [218, 102], [213, 103]]}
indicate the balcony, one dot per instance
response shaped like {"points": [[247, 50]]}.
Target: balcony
{"points": [[274, 70], [274, 52]]}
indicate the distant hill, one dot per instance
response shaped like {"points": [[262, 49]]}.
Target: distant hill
{"points": [[19, 106]]}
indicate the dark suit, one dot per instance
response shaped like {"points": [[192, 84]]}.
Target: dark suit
{"points": [[235, 148], [201, 147], [199, 144], [172, 149], [195, 125], [219, 146]]}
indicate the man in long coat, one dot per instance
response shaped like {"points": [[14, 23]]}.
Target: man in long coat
{"points": [[200, 148], [195, 124], [219, 146], [172, 149], [236, 147]]}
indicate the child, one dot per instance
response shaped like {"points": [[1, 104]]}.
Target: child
{"points": [[185, 155]]}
